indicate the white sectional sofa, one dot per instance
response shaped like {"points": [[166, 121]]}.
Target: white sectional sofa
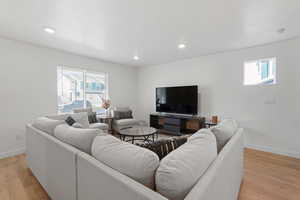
{"points": [[67, 173]]}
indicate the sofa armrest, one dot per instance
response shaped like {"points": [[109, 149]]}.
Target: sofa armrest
{"points": [[223, 178], [98, 181]]}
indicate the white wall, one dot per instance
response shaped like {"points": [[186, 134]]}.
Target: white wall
{"points": [[269, 114], [28, 87]]}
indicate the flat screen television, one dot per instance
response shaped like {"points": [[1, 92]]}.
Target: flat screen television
{"points": [[181, 100]]}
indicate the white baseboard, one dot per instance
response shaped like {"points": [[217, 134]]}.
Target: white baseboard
{"points": [[12, 153], [275, 151]]}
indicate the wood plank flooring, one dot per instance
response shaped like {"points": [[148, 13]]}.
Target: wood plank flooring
{"points": [[267, 177]]}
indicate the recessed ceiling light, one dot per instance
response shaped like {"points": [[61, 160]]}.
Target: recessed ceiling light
{"points": [[136, 58], [281, 30], [181, 46], [49, 30]]}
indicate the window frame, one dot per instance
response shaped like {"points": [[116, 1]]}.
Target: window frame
{"points": [[84, 71], [272, 71]]}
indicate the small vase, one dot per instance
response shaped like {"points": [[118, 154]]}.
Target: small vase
{"points": [[107, 112]]}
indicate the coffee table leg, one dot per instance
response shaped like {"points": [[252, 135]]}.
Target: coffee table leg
{"points": [[132, 139]]}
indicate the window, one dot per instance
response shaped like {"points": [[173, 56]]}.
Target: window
{"points": [[260, 72], [80, 89]]}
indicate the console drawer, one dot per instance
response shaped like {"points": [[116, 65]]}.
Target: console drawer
{"points": [[172, 128], [173, 121]]}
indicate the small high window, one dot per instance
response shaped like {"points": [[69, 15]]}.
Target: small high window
{"points": [[260, 72]]}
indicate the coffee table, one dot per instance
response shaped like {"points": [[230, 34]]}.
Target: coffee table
{"points": [[143, 133]]}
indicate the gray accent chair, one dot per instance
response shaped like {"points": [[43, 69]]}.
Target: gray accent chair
{"points": [[97, 125], [123, 118]]}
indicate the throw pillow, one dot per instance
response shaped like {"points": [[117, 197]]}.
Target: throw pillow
{"points": [[123, 115], [46, 124], [77, 137], [70, 121], [138, 163], [165, 146], [180, 170], [81, 118], [92, 117]]}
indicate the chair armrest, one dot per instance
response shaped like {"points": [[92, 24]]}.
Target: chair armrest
{"points": [[142, 123]]}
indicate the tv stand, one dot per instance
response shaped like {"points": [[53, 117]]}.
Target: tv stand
{"points": [[176, 124]]}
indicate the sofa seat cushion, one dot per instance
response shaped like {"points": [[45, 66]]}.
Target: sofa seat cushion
{"points": [[180, 170], [127, 122], [101, 126], [138, 163], [46, 124], [224, 131], [77, 137]]}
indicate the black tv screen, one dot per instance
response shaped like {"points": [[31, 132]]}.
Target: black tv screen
{"points": [[181, 100]]}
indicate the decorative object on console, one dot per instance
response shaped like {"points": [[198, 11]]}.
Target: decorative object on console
{"points": [[214, 119]]}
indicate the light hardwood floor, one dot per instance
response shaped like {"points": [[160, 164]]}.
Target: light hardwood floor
{"points": [[267, 177]]}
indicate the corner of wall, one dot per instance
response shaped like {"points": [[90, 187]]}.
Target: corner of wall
{"points": [[14, 152]]}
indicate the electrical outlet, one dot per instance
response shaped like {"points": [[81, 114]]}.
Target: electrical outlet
{"points": [[19, 137]]}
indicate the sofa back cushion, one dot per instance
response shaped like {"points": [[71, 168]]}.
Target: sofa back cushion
{"points": [[46, 124], [179, 171], [81, 118], [138, 163], [77, 137], [224, 131]]}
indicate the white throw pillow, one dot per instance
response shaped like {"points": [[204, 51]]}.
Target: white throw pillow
{"points": [[179, 171], [224, 131], [77, 125], [136, 162], [46, 124], [81, 118], [77, 137]]}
